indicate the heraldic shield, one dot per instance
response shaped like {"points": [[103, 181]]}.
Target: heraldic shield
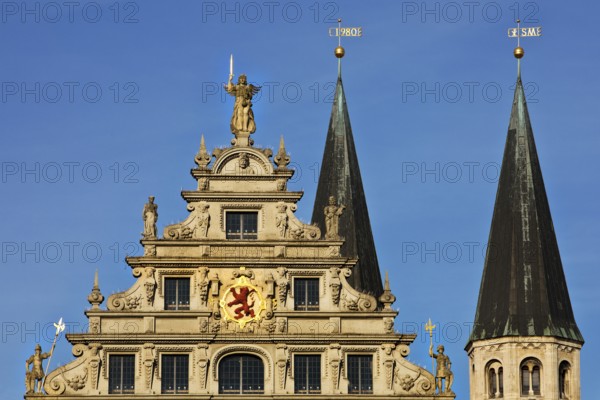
{"points": [[242, 302]]}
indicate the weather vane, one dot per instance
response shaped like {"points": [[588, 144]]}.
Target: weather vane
{"points": [[518, 33], [346, 31], [429, 327]]}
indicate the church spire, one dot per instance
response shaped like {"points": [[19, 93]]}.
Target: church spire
{"points": [[523, 290], [340, 178]]}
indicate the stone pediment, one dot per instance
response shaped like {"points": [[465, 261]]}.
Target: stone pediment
{"points": [[242, 161]]}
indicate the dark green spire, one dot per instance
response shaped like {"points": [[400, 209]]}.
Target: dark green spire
{"points": [[523, 290], [340, 177]]}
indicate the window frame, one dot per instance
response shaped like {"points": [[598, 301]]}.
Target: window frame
{"points": [[241, 235], [112, 356], [497, 369], [175, 374], [308, 382], [177, 306], [360, 356], [530, 365], [242, 374], [305, 295], [564, 380]]}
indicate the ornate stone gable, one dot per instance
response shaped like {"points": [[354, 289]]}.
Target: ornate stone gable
{"points": [[241, 279]]}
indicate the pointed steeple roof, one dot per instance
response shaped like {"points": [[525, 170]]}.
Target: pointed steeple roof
{"points": [[523, 290], [340, 178]]}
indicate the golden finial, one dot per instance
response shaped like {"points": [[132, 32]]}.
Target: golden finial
{"points": [[339, 50], [518, 33], [339, 32], [519, 52]]}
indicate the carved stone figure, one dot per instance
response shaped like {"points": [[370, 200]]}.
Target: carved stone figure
{"points": [[203, 283], [203, 222], [94, 364], [282, 284], [282, 362], [203, 184], [281, 325], [149, 285], [203, 363], [149, 362], [94, 326], [281, 220], [442, 370], [203, 325], [336, 285], [37, 371], [150, 250], [150, 216], [281, 184], [332, 218], [388, 324], [242, 119], [244, 167]]}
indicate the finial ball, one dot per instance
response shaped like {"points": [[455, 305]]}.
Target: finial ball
{"points": [[519, 52], [339, 52]]}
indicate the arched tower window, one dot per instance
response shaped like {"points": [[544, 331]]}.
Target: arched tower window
{"points": [[564, 375], [531, 377], [241, 374], [495, 380]]}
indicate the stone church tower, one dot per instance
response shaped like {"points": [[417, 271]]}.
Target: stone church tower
{"points": [[525, 343], [242, 298]]}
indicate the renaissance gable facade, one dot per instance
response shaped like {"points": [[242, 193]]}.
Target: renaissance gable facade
{"points": [[243, 298]]}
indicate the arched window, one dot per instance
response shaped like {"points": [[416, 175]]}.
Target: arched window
{"points": [[241, 374], [495, 377], [530, 377], [564, 373]]}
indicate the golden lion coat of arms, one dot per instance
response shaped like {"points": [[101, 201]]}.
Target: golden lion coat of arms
{"points": [[242, 302]]}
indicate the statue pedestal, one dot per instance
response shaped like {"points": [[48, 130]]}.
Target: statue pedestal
{"points": [[242, 139]]}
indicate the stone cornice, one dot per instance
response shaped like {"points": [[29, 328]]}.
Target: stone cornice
{"points": [[207, 173], [193, 314], [509, 340], [234, 262], [233, 338], [242, 243], [250, 197]]}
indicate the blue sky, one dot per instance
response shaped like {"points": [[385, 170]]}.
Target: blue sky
{"points": [[103, 104]]}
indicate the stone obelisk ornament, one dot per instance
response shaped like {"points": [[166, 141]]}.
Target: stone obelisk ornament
{"points": [[242, 121]]}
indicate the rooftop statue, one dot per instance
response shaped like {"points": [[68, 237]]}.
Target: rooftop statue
{"points": [[242, 120], [37, 371]]}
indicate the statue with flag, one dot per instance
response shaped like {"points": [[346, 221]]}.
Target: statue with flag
{"points": [[37, 373]]}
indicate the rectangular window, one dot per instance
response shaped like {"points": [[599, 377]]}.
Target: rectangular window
{"points": [[241, 225], [174, 373], [307, 374], [177, 293], [121, 374], [360, 374], [306, 294]]}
